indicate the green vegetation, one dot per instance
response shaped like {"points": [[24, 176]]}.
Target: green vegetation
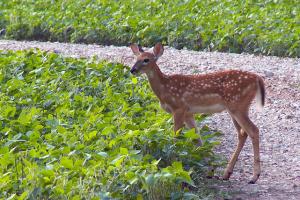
{"points": [[84, 129], [270, 27]]}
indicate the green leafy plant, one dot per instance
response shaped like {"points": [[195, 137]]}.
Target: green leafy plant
{"points": [[84, 129], [269, 27]]}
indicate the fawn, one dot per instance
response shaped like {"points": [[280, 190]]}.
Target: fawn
{"points": [[185, 95]]}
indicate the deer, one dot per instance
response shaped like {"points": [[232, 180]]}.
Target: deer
{"points": [[183, 96]]}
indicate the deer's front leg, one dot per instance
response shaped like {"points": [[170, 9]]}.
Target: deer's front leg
{"points": [[190, 122], [178, 116]]}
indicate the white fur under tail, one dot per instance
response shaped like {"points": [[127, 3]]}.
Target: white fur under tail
{"points": [[258, 99]]}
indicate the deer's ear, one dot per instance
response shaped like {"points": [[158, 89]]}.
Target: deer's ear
{"points": [[158, 50], [135, 49]]}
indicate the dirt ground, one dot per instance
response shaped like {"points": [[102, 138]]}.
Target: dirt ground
{"points": [[279, 122]]}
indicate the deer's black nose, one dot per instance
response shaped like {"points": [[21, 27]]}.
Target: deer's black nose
{"points": [[133, 70]]}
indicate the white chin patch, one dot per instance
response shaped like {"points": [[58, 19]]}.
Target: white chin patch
{"points": [[151, 74]]}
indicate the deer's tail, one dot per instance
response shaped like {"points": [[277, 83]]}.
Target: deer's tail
{"points": [[260, 94]]}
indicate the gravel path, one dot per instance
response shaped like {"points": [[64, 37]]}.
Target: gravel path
{"points": [[279, 123]]}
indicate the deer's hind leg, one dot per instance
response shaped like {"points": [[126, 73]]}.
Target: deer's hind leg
{"points": [[252, 131], [242, 136]]}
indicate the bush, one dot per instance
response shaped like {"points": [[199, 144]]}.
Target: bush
{"points": [[269, 27], [83, 129]]}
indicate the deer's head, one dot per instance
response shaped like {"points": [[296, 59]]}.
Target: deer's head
{"points": [[145, 60]]}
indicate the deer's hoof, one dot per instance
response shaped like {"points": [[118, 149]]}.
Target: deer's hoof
{"points": [[213, 177], [254, 179], [226, 176]]}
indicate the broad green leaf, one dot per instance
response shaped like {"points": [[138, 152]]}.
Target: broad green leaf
{"points": [[177, 166], [118, 160], [191, 134], [134, 80], [123, 151], [66, 162], [103, 154]]}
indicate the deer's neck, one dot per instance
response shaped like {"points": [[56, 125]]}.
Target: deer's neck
{"points": [[157, 80]]}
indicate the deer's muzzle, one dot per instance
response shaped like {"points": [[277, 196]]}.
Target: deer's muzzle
{"points": [[135, 68]]}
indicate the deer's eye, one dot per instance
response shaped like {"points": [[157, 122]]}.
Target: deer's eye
{"points": [[146, 60]]}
